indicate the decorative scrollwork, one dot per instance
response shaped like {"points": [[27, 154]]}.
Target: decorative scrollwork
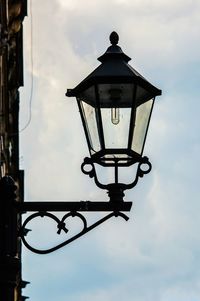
{"points": [[91, 171], [141, 171], [145, 161], [61, 226], [115, 192]]}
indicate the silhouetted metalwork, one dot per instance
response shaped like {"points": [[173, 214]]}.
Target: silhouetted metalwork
{"points": [[61, 226], [116, 189], [115, 104], [116, 204]]}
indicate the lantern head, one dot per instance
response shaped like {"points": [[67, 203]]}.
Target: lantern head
{"points": [[115, 104]]}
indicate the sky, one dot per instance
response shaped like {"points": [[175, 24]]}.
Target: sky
{"points": [[156, 254]]}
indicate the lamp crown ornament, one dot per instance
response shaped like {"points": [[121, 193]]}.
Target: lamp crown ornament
{"points": [[114, 51]]}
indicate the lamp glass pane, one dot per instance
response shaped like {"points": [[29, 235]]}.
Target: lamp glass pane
{"points": [[116, 122], [142, 119], [89, 115]]}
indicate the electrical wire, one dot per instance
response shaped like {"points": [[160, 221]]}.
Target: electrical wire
{"points": [[31, 58]]}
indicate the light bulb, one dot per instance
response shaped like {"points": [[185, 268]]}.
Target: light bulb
{"points": [[115, 116]]}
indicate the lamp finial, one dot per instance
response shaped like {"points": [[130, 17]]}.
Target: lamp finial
{"points": [[114, 38]]}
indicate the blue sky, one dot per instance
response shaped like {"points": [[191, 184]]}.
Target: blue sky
{"points": [[155, 255]]}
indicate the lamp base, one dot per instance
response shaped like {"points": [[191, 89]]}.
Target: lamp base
{"points": [[116, 194]]}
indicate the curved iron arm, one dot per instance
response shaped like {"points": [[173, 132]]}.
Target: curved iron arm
{"points": [[140, 172], [62, 227], [91, 172]]}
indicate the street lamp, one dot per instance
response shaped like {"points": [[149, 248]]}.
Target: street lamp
{"points": [[115, 104]]}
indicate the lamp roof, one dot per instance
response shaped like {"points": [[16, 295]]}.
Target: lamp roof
{"points": [[114, 68]]}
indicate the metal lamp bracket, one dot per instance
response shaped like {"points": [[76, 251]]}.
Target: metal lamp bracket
{"points": [[115, 205], [44, 209], [61, 226]]}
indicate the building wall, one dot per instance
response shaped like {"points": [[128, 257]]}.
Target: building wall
{"points": [[12, 14]]}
